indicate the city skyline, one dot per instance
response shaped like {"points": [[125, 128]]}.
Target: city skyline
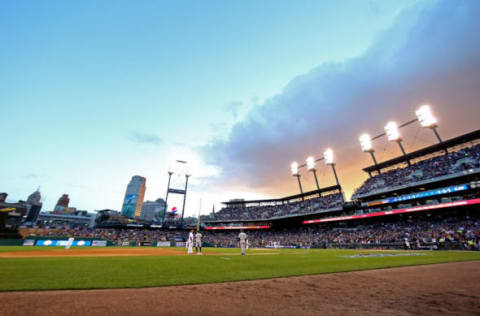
{"points": [[141, 85]]}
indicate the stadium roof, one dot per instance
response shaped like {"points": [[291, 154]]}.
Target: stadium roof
{"points": [[285, 199], [426, 151]]}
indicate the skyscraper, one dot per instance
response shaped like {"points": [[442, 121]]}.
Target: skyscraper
{"points": [[34, 198], [132, 203], [153, 210], [62, 203], [34, 207]]}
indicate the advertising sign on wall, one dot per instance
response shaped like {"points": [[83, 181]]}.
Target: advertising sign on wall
{"points": [[99, 243], [29, 242], [419, 195], [62, 243]]}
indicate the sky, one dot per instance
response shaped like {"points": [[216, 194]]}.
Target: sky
{"points": [[94, 92]]}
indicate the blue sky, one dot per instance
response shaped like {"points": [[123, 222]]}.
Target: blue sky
{"points": [[94, 92]]}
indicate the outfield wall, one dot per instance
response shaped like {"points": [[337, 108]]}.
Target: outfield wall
{"points": [[62, 241], [93, 242], [10, 242]]}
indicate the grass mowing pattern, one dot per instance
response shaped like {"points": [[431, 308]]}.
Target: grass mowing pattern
{"points": [[129, 272]]}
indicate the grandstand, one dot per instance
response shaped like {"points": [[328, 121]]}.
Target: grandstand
{"points": [[431, 164], [427, 198], [330, 198]]}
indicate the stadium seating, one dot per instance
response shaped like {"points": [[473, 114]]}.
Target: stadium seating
{"points": [[110, 234], [273, 211], [459, 232], [463, 159], [417, 233]]}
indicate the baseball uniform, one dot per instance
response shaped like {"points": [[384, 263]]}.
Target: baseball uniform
{"points": [[198, 242], [190, 243], [243, 242]]}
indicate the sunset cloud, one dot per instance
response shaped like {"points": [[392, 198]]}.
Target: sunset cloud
{"points": [[430, 54]]}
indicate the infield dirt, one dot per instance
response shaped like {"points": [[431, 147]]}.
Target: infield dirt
{"points": [[448, 289]]}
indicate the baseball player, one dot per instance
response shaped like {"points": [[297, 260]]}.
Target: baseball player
{"points": [[198, 243], [243, 241], [190, 242], [69, 243]]}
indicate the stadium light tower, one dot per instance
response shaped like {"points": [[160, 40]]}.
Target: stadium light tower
{"points": [[328, 159], [427, 120], [311, 167], [366, 144], [393, 135], [187, 175], [170, 173], [295, 173]]}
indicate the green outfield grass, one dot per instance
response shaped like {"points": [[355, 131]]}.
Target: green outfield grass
{"points": [[135, 271]]}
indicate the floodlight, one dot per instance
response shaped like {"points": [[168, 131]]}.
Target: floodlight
{"points": [[310, 163], [391, 129], [366, 143], [425, 116], [311, 167], [294, 168], [328, 156]]}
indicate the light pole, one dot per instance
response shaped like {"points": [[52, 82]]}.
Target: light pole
{"points": [[328, 158], [393, 135], [166, 198], [311, 167], [294, 169], [426, 119], [184, 197], [366, 144]]}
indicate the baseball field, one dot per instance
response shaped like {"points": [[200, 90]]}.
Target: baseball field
{"points": [[27, 270]]}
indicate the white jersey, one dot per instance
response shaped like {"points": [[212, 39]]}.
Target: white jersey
{"points": [[190, 243], [243, 237], [198, 238], [69, 243]]}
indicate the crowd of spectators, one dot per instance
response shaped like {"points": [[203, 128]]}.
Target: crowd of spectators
{"points": [[417, 233], [272, 211], [117, 236], [453, 162]]}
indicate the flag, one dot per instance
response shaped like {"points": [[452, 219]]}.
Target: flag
{"points": [[174, 209]]}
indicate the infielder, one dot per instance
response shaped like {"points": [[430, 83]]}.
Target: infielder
{"points": [[198, 243], [190, 242], [243, 241]]}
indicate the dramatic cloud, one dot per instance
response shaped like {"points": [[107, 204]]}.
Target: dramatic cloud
{"points": [[145, 138], [431, 54], [233, 108]]}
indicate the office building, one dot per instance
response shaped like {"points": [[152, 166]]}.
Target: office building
{"points": [[153, 210], [133, 201]]}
